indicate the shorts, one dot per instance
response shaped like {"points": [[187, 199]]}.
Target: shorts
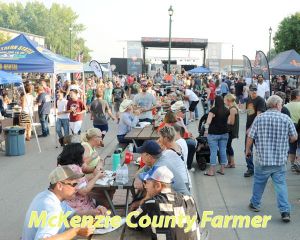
{"points": [[117, 106], [193, 106], [103, 128], [76, 127], [240, 99]]}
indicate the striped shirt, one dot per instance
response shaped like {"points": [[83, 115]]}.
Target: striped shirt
{"points": [[271, 131]]}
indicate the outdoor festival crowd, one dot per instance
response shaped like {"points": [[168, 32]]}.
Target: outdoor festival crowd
{"points": [[163, 185]]}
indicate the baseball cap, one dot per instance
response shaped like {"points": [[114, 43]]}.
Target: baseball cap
{"points": [[61, 173], [252, 87], [151, 147], [159, 173]]}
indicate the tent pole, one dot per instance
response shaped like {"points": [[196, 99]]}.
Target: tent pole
{"points": [[31, 120], [54, 107]]}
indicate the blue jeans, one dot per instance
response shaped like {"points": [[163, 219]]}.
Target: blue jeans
{"points": [[249, 160], [261, 176], [191, 144], [44, 124], [217, 142], [62, 123]]}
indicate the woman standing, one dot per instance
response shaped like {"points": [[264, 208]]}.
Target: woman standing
{"points": [[27, 110], [99, 107], [233, 127], [217, 135]]}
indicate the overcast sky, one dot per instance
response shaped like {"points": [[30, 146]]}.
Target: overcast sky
{"points": [[245, 24]]}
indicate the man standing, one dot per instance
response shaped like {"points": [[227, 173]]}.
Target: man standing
{"points": [[255, 106], [162, 201], [239, 89], [145, 101], [294, 109], [44, 105], [52, 201], [263, 90], [76, 109], [117, 97], [193, 99], [271, 132]]}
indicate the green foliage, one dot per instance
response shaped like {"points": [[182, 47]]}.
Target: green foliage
{"points": [[4, 38], [53, 23], [288, 35]]}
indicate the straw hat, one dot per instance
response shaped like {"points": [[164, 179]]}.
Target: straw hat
{"points": [[177, 106], [125, 104]]}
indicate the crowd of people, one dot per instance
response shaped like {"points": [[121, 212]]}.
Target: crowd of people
{"points": [[272, 126]]}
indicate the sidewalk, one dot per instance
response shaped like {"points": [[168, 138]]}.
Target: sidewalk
{"points": [[23, 177]]}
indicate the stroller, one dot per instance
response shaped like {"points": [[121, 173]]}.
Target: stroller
{"points": [[202, 151]]}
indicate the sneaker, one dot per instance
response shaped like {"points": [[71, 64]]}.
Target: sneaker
{"points": [[252, 208], [248, 173], [293, 167], [285, 216], [192, 170]]}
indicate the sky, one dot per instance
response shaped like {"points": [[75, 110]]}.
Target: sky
{"points": [[243, 24]]}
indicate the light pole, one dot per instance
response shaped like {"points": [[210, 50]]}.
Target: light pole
{"points": [[270, 36], [232, 59], [70, 30], [170, 25]]}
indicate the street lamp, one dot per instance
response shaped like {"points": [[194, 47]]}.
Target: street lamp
{"points": [[270, 36], [232, 59], [70, 29], [170, 25]]}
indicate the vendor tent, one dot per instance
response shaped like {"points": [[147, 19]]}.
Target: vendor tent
{"points": [[287, 62], [9, 78], [24, 55], [200, 70]]}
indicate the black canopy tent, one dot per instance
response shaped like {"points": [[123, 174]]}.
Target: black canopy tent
{"points": [[154, 42], [287, 63]]}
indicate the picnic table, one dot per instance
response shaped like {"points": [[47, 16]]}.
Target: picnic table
{"points": [[132, 169], [146, 133]]}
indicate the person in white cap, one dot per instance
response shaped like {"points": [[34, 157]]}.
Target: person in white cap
{"points": [[162, 201], [129, 119], [63, 182]]}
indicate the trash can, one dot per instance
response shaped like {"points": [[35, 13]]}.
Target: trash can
{"points": [[14, 141]]}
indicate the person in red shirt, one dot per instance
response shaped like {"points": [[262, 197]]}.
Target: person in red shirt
{"points": [[212, 94], [76, 109]]}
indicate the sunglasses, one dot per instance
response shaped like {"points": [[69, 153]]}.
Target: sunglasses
{"points": [[70, 184]]}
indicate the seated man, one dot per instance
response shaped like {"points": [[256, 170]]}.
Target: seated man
{"points": [[161, 202], [152, 155], [62, 187]]}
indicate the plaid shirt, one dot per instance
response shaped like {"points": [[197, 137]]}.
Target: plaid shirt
{"points": [[271, 131], [170, 203]]}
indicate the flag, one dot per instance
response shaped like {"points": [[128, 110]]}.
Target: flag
{"points": [[95, 66], [261, 65], [247, 69], [80, 57]]}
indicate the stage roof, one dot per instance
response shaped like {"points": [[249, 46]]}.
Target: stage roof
{"points": [[155, 42]]}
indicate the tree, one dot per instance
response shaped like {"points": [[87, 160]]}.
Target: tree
{"points": [[4, 38], [288, 35], [53, 23]]}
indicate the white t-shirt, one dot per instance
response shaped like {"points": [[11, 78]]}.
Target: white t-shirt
{"points": [[191, 95], [184, 148], [45, 201], [28, 106], [262, 89], [62, 107]]}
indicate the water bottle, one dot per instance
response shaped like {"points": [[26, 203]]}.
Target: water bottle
{"points": [[122, 175], [116, 160]]}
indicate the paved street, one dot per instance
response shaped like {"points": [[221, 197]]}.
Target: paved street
{"points": [[23, 177]]}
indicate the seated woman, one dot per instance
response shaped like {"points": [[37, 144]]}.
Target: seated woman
{"points": [[72, 155], [129, 119], [91, 139]]}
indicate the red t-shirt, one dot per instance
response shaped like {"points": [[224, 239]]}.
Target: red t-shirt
{"points": [[212, 94], [76, 106]]}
